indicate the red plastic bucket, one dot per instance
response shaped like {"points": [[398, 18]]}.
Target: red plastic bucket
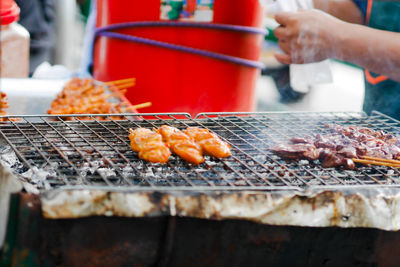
{"points": [[176, 81]]}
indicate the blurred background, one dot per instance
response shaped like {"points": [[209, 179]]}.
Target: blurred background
{"points": [[63, 27], [274, 93]]}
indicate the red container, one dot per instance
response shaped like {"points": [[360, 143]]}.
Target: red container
{"points": [[176, 81]]}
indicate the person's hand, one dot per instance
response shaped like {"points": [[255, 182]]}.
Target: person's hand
{"points": [[307, 36]]}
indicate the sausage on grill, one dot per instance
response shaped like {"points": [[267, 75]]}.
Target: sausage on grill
{"points": [[149, 145], [181, 144], [209, 142]]}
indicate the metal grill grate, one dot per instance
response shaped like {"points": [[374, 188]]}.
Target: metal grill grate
{"points": [[96, 154]]}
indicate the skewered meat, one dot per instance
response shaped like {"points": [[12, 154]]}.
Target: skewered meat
{"points": [[149, 145], [181, 144], [83, 96], [209, 142], [3, 105], [296, 151], [341, 145]]}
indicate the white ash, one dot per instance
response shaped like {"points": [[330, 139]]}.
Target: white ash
{"points": [[149, 173], [230, 175], [127, 171], [211, 162], [8, 158], [67, 151], [303, 162], [39, 176], [31, 188], [108, 154], [287, 175], [296, 182], [127, 168], [106, 172], [158, 169], [259, 158], [89, 168], [313, 182], [240, 183]]}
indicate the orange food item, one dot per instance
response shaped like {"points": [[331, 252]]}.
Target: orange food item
{"points": [[84, 96], [3, 106], [181, 144], [209, 142], [149, 145]]}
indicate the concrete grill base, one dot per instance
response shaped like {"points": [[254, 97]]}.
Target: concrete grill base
{"points": [[175, 241]]}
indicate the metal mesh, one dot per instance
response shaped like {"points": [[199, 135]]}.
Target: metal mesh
{"points": [[96, 154]]}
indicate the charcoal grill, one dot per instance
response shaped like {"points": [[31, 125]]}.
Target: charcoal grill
{"points": [[96, 154], [82, 168]]}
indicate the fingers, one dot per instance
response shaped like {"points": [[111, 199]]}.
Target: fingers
{"points": [[283, 58], [283, 18], [285, 46], [282, 33]]}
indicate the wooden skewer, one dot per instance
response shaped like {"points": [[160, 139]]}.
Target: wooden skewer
{"points": [[117, 95], [120, 81], [125, 85], [138, 106], [121, 87], [383, 160], [143, 105], [374, 162]]}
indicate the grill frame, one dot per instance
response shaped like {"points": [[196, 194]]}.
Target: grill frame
{"points": [[227, 125]]}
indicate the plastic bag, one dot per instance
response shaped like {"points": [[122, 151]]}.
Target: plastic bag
{"points": [[305, 75]]}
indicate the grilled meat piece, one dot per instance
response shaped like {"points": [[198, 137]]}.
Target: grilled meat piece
{"points": [[348, 152], [209, 142], [349, 164], [341, 145], [330, 160], [149, 145], [296, 151], [324, 142], [181, 144], [302, 140]]}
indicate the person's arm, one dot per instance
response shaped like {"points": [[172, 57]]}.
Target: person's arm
{"points": [[311, 36], [345, 10]]}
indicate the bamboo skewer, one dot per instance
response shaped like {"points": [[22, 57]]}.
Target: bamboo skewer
{"points": [[118, 82], [143, 105], [397, 162], [125, 85], [379, 162], [139, 106], [122, 84]]}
